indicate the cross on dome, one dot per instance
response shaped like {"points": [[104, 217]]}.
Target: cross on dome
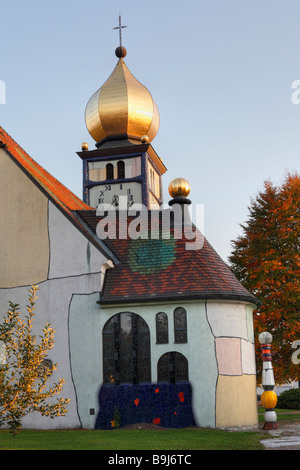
{"points": [[120, 27]]}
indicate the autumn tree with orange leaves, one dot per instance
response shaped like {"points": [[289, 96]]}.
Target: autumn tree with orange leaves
{"points": [[266, 259], [23, 373]]}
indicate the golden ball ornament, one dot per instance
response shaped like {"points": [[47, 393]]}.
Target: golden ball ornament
{"points": [[179, 187], [84, 146]]}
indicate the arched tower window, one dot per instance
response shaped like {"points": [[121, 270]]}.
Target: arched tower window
{"points": [[180, 325], [162, 332], [152, 180], [109, 171], [172, 367], [126, 349], [121, 169]]}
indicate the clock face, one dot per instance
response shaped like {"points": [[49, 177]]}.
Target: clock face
{"points": [[131, 193]]}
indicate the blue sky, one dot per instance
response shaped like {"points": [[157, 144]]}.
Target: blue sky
{"points": [[220, 72]]}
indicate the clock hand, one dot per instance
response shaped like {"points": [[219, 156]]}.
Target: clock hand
{"points": [[115, 200]]}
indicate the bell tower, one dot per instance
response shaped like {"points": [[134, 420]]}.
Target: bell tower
{"points": [[123, 119]]}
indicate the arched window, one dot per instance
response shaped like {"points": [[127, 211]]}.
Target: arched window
{"points": [[121, 169], [162, 333], [180, 325], [172, 367], [109, 171], [152, 180], [126, 349]]}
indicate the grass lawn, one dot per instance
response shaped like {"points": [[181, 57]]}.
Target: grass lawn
{"points": [[121, 439], [153, 440], [282, 415]]}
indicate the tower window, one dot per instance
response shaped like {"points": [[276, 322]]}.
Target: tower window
{"points": [[126, 349], [152, 184], [180, 325], [109, 171], [162, 333], [172, 367], [121, 169]]}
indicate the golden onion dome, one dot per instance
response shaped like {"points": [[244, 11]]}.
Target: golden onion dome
{"points": [[179, 187], [122, 107]]}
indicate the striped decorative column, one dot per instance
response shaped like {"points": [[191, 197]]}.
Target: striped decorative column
{"points": [[269, 397]]}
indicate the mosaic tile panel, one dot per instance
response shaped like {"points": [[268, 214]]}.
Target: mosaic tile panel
{"points": [[167, 405]]}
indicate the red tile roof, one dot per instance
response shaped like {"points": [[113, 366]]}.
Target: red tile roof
{"points": [[164, 269], [57, 191]]}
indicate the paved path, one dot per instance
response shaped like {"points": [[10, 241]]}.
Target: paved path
{"points": [[286, 437]]}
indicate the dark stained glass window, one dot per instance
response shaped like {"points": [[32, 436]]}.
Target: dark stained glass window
{"points": [[172, 367], [109, 171], [108, 352], [126, 349], [162, 333], [121, 169], [180, 325]]}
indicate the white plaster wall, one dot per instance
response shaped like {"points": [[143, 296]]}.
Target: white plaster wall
{"points": [[70, 252], [249, 320], [87, 322], [86, 354], [204, 370], [248, 358], [228, 319]]}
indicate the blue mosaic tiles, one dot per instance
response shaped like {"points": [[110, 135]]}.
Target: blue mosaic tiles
{"points": [[164, 404]]}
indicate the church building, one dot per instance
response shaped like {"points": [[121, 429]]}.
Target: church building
{"points": [[150, 326]]}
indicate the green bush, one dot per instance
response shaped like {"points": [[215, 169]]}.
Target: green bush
{"points": [[289, 400]]}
